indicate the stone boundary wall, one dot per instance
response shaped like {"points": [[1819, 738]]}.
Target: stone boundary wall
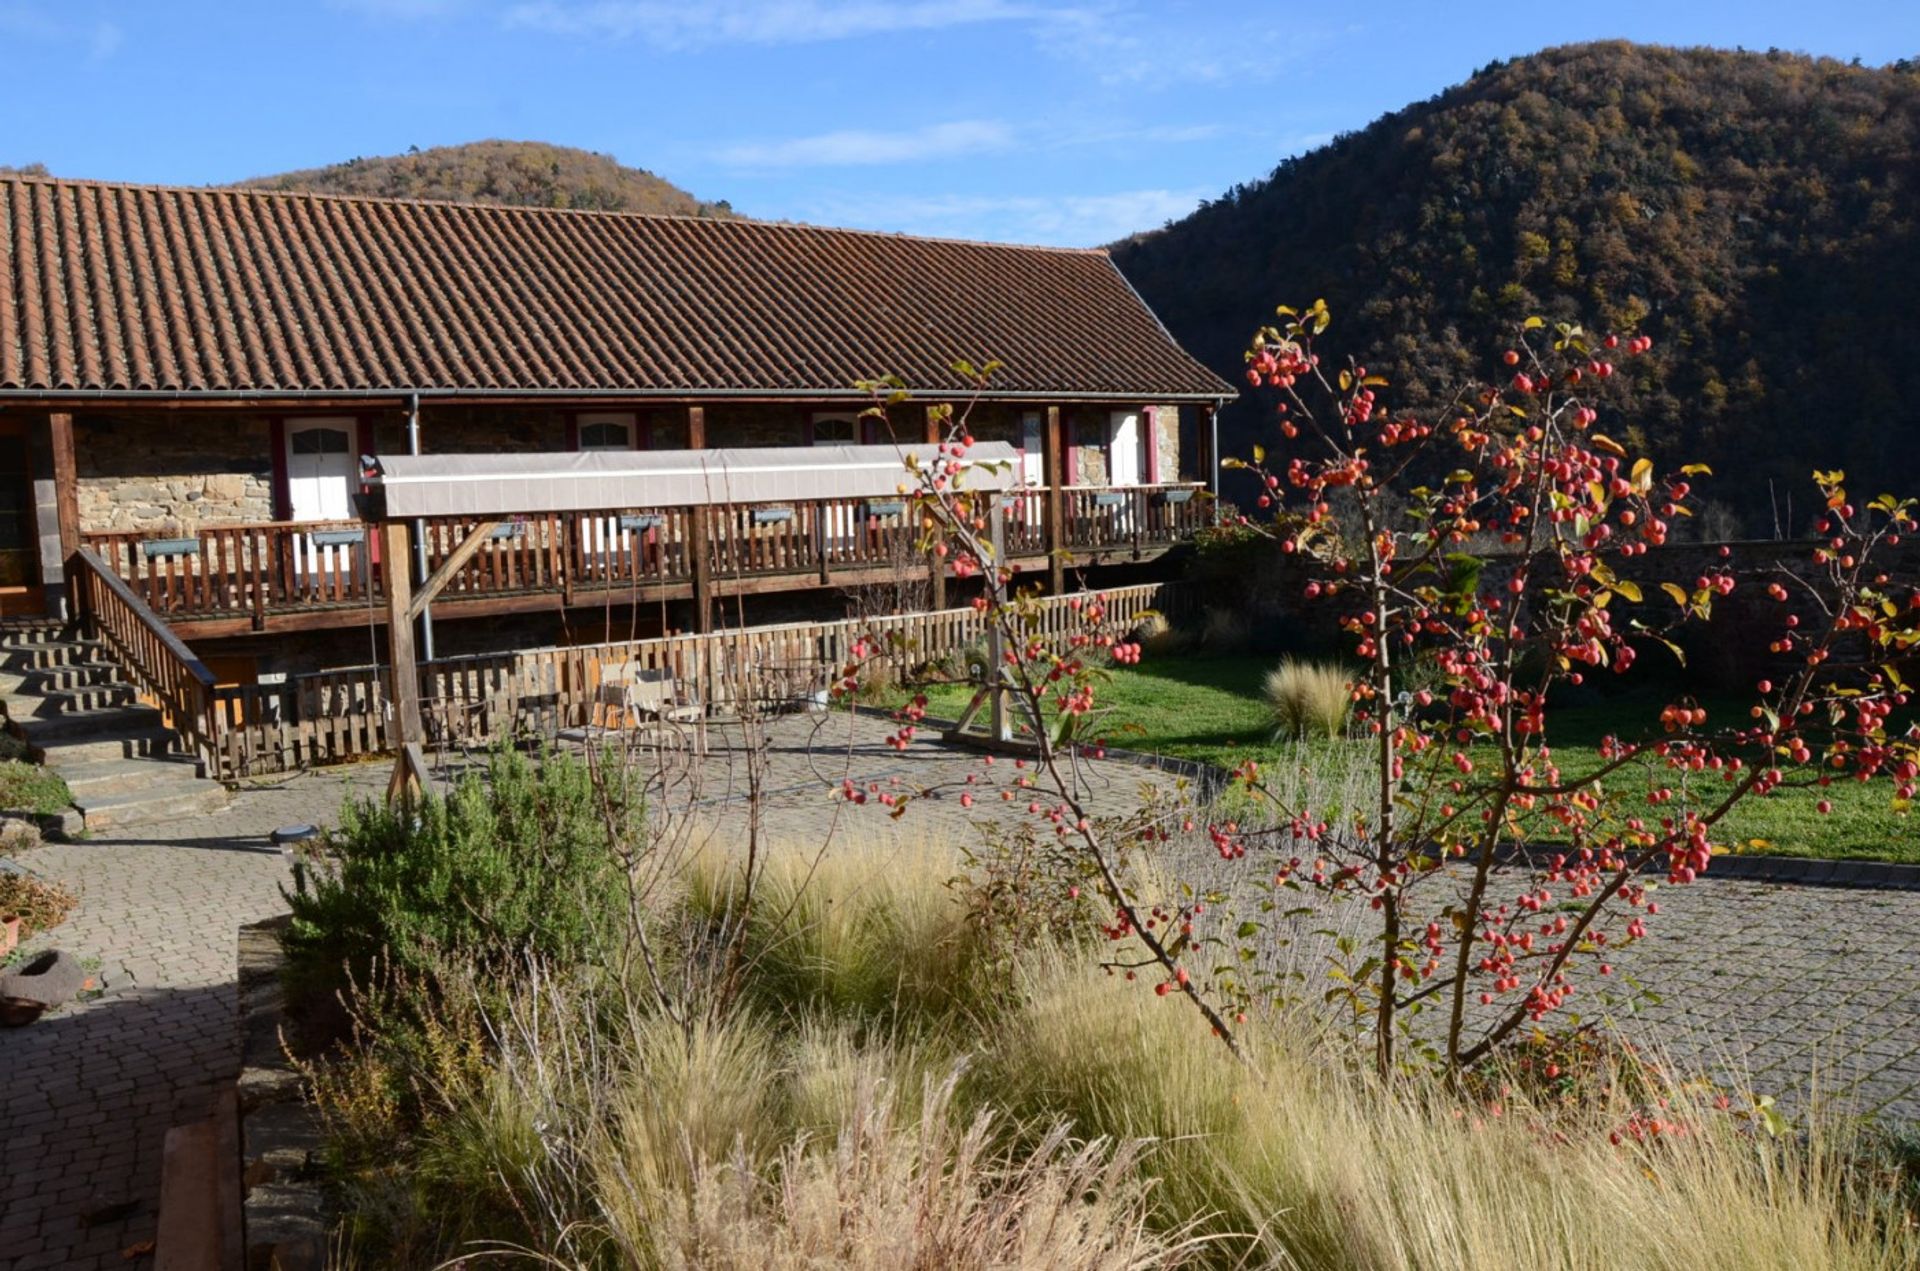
{"points": [[284, 1212]]}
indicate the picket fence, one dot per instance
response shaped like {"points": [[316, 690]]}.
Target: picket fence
{"points": [[337, 716]]}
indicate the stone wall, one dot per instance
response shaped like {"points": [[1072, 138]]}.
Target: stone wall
{"points": [[170, 473]]}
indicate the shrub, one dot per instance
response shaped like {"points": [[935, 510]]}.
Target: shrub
{"points": [[28, 787], [1308, 698], [517, 860], [1223, 631], [39, 904]]}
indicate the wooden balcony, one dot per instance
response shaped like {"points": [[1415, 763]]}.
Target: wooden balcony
{"points": [[288, 576]]}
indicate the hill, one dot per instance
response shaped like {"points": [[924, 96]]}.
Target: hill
{"points": [[1753, 212], [525, 173]]}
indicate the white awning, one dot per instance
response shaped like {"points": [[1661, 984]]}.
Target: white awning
{"points": [[506, 484]]}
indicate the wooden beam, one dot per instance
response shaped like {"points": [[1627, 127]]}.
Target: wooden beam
{"points": [[404, 689], [455, 561], [702, 565], [1054, 460], [939, 417], [66, 482]]}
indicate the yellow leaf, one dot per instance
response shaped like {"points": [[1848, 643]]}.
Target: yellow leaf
{"points": [[1533, 323], [1642, 476], [1696, 470], [1259, 454], [1630, 590], [1601, 441], [1679, 596]]}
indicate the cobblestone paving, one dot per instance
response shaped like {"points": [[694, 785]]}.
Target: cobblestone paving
{"points": [[87, 1093], [1785, 981]]}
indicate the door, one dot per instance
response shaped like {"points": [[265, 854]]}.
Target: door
{"points": [[19, 533], [840, 523], [605, 547], [322, 469], [322, 474], [1123, 469], [1123, 448]]}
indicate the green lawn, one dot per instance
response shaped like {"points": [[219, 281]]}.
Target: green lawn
{"points": [[1210, 708]]}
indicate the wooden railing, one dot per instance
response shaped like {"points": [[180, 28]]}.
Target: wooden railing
{"points": [[242, 571], [1134, 518], [160, 664], [336, 716]]}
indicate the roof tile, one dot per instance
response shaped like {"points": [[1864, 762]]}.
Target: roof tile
{"points": [[140, 289]]}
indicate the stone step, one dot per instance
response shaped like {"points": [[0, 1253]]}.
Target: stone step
{"points": [[152, 739], [15, 635], [41, 678], [103, 723], [129, 809], [57, 653], [93, 778], [60, 703]]}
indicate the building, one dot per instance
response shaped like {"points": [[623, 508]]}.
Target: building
{"points": [[189, 377]]}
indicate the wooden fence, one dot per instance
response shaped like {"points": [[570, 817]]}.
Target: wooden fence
{"points": [[337, 716]]}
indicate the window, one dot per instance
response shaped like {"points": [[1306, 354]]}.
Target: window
{"points": [[605, 432], [319, 441], [836, 430]]}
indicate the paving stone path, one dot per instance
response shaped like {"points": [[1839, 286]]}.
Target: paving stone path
{"points": [[1786, 980]]}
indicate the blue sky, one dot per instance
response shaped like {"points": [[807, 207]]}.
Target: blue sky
{"points": [[1073, 122]]}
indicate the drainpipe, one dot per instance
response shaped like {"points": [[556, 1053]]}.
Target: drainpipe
{"points": [[1213, 455], [419, 530]]}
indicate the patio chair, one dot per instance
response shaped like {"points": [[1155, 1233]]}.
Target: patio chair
{"points": [[648, 699]]}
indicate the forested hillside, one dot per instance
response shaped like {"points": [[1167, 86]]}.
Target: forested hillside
{"points": [[1753, 212], [528, 173]]}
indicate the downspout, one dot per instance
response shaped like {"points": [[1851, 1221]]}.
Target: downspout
{"points": [[1213, 455], [419, 531]]}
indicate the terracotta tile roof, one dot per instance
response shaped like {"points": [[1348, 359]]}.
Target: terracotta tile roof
{"points": [[119, 288]]}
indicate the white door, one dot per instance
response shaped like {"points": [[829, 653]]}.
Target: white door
{"points": [[322, 473], [840, 523], [603, 544], [1033, 458], [321, 469], [1123, 448]]}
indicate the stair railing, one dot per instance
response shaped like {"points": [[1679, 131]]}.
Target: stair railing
{"points": [[159, 662]]}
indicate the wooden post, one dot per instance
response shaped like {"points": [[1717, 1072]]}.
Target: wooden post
{"points": [[65, 481], [404, 687], [996, 653], [938, 417], [697, 532], [1209, 463], [1055, 463]]}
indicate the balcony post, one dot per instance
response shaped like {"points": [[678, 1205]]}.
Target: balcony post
{"points": [[1206, 441], [938, 416], [1054, 459], [701, 564], [405, 687]]}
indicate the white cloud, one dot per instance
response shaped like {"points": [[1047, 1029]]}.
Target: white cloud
{"points": [[100, 39], [855, 146], [1068, 220], [689, 25]]}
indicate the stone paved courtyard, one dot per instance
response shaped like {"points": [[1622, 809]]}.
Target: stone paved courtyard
{"points": [[1787, 981]]}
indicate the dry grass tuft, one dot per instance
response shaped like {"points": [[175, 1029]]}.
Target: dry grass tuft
{"points": [[1308, 699]]}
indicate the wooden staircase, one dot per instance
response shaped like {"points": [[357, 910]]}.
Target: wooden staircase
{"points": [[67, 699]]}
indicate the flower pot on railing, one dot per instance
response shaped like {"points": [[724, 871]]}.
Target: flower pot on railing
{"points": [[885, 507], [338, 538], [637, 524], [1109, 499], [154, 548], [772, 516], [1176, 496]]}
